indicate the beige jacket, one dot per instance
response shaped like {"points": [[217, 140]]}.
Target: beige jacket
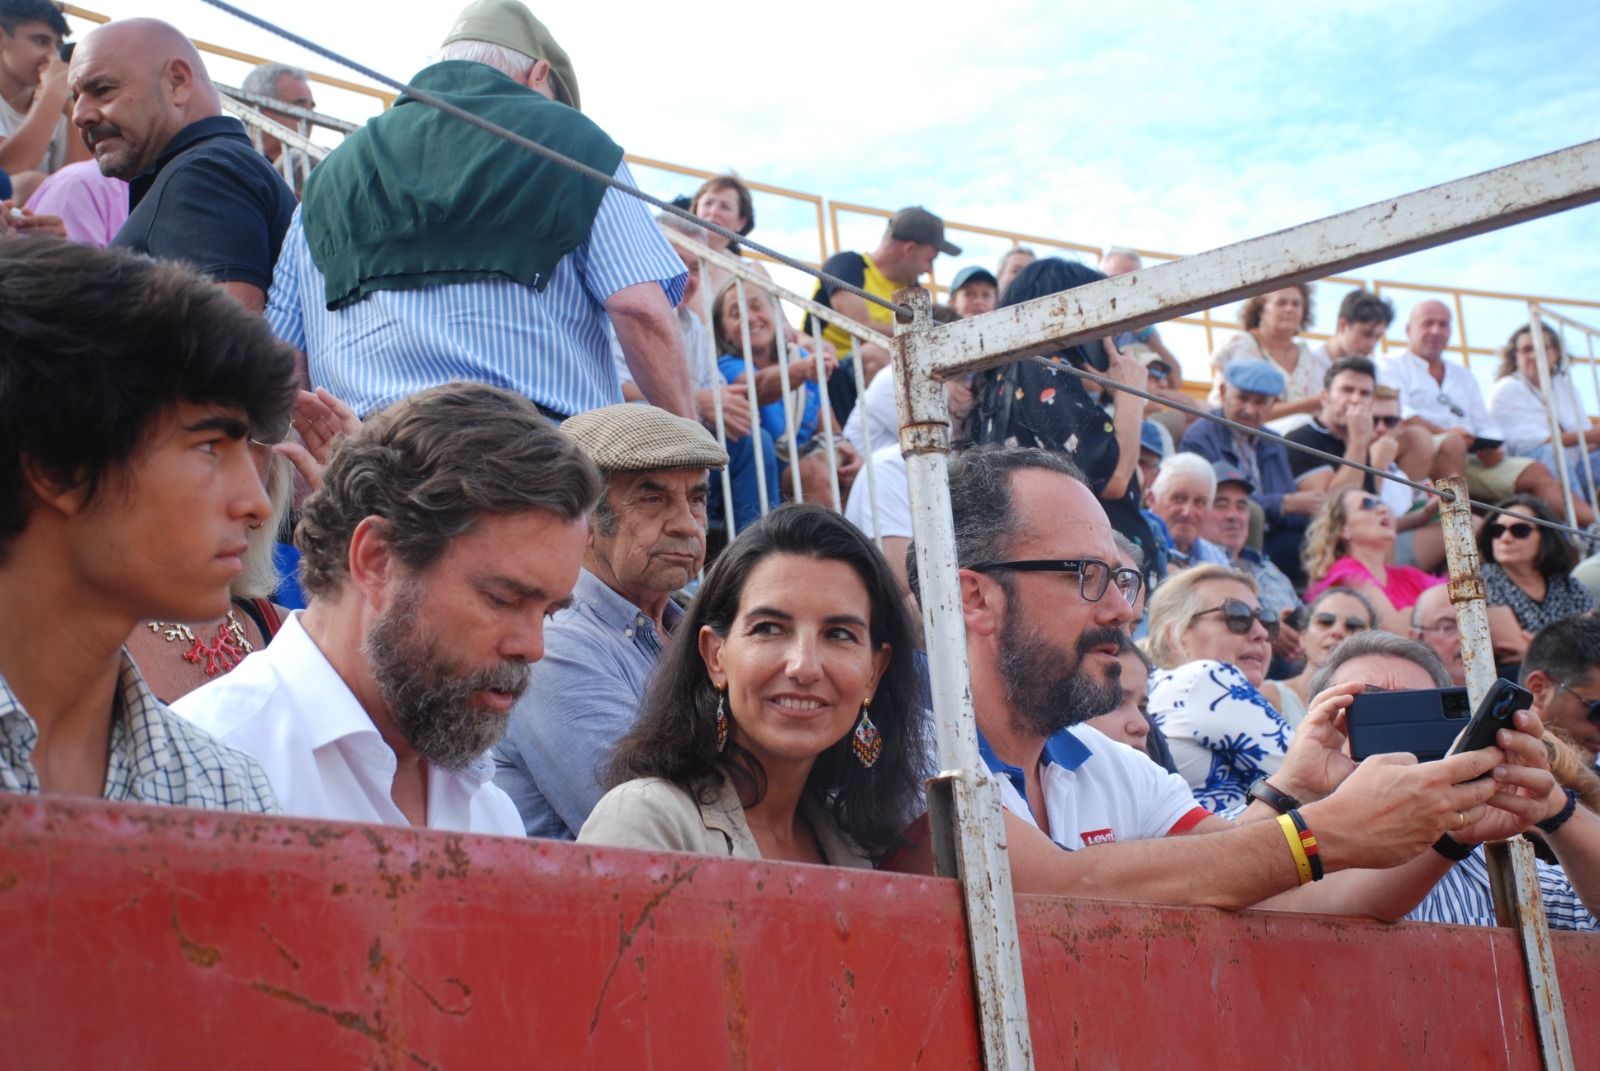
{"points": [[658, 815]]}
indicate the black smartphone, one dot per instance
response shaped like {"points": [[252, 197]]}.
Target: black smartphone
{"points": [[1423, 722], [66, 51], [1494, 714]]}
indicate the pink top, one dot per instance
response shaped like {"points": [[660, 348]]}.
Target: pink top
{"points": [[1405, 582], [92, 207]]}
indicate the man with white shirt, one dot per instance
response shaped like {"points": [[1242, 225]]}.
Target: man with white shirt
{"points": [[446, 529], [1443, 397]]}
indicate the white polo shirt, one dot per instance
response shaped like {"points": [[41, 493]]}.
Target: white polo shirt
{"points": [[1098, 791], [287, 707]]}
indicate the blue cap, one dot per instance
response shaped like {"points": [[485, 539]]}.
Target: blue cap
{"points": [[1227, 473], [1150, 439], [1255, 375], [972, 273]]}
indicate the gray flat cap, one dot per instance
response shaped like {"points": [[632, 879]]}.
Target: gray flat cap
{"points": [[640, 438]]}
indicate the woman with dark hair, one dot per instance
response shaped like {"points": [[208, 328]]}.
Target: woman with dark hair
{"points": [[803, 395], [785, 720], [1331, 618], [1271, 322], [1035, 403], [1526, 566]]}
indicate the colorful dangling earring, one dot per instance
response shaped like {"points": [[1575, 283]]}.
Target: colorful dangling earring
{"points": [[868, 742], [722, 722]]}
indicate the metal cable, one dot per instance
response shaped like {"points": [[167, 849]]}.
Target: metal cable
{"points": [[424, 97], [1263, 433]]}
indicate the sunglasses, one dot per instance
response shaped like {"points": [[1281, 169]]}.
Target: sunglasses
{"points": [[1591, 707], [1351, 624], [1239, 616], [1094, 575], [1368, 503], [1157, 372], [1518, 530], [1387, 421]]}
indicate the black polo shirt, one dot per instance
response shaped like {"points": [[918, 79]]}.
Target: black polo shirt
{"points": [[1320, 438], [212, 201]]}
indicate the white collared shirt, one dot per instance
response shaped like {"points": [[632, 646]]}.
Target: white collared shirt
{"points": [[1423, 396], [287, 707]]}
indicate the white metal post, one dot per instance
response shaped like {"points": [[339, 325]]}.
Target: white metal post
{"points": [[1541, 358], [979, 830], [826, 415], [1580, 412], [750, 392], [716, 402], [1514, 880], [792, 399]]}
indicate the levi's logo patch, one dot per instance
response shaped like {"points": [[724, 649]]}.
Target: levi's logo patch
{"points": [[1092, 837]]}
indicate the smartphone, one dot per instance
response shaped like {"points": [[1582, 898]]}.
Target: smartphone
{"points": [[1494, 714], [1424, 723], [66, 51]]}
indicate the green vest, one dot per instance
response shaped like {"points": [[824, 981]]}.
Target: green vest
{"points": [[419, 198]]}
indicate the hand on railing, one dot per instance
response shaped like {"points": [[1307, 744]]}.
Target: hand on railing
{"points": [[321, 419], [804, 367], [735, 411]]}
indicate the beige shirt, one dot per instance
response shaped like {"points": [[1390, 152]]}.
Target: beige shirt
{"points": [[659, 816], [55, 154]]}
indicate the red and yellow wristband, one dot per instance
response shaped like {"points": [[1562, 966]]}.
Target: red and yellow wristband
{"points": [[1302, 845]]}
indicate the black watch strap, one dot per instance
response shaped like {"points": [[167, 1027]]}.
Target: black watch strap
{"points": [[1451, 848], [1281, 802]]}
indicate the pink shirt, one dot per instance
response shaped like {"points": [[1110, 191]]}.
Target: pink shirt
{"points": [[92, 206], [1405, 582]]}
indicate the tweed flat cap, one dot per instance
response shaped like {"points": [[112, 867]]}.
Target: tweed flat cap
{"points": [[639, 438]]}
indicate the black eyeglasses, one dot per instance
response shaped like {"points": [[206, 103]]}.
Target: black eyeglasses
{"points": [[1094, 575], [1591, 707], [1387, 421], [1518, 529], [1238, 616], [1351, 624]]}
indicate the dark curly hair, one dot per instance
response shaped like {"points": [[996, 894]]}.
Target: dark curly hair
{"points": [[675, 735], [430, 466]]}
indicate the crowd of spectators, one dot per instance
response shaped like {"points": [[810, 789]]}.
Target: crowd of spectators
{"points": [[414, 523]]}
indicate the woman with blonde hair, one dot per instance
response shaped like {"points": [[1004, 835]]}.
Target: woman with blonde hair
{"points": [[1213, 644], [1350, 544]]}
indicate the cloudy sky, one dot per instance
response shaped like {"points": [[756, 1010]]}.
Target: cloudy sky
{"points": [[1164, 125]]}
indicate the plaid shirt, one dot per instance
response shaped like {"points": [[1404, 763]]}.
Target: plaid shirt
{"points": [[156, 756]]}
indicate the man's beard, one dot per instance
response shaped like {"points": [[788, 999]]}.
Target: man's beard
{"points": [[429, 697], [1044, 684]]}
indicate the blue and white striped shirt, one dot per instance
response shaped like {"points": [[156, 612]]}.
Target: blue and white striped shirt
{"points": [[1462, 896], [551, 346]]}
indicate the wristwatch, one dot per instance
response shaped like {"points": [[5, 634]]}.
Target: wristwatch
{"points": [[1281, 802]]}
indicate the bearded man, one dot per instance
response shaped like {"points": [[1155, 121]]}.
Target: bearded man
{"points": [[447, 528]]}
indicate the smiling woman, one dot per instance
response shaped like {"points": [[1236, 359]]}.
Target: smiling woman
{"points": [[785, 721]]}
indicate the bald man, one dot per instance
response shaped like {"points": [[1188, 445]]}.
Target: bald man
{"points": [[1443, 398], [199, 192]]}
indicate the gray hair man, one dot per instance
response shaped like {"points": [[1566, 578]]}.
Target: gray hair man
{"points": [[647, 541]]}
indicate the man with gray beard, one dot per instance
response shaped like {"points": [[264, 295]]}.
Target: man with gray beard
{"points": [[447, 528]]}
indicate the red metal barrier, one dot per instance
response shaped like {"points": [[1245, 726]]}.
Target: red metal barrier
{"points": [[138, 937]]}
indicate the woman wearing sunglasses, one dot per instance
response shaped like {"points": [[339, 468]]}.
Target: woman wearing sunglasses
{"points": [[1526, 567], [1331, 618], [1213, 643], [1350, 544]]}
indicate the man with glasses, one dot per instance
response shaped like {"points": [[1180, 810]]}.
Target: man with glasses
{"points": [[1433, 622], [1228, 526], [1562, 670], [1045, 616], [1443, 398]]}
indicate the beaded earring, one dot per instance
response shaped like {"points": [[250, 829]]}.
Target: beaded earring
{"points": [[867, 742], [722, 721]]}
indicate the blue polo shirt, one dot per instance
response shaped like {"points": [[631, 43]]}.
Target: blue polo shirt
{"points": [[212, 201]]}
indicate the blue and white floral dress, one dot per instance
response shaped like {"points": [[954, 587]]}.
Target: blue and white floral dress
{"points": [[1222, 731]]}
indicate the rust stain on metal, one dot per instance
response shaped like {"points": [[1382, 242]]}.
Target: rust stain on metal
{"points": [[737, 1016], [462, 988], [9, 880], [460, 861], [375, 956], [206, 956], [627, 933], [353, 1021], [287, 956]]}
